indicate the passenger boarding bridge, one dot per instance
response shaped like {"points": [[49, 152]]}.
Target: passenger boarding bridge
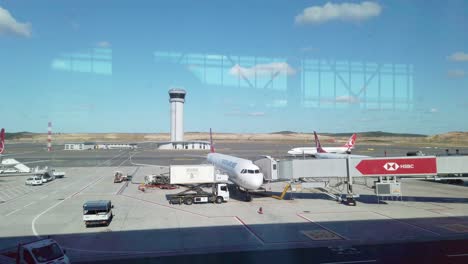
{"points": [[318, 173]]}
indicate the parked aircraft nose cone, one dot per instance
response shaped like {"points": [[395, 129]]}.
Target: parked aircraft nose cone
{"points": [[255, 181]]}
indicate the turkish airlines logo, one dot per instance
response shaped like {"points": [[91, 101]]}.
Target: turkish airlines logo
{"points": [[391, 166]]}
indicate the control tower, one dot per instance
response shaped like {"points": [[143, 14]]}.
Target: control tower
{"points": [[177, 100]]}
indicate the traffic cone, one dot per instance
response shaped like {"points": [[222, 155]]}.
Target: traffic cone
{"points": [[260, 210]]}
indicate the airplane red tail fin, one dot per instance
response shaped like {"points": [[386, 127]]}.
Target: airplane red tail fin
{"points": [[351, 142], [212, 149], [2, 140], [317, 144]]}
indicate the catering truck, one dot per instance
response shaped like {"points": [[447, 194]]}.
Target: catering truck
{"points": [[40, 251], [203, 184]]}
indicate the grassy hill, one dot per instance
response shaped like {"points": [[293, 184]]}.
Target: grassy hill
{"points": [[459, 139]]}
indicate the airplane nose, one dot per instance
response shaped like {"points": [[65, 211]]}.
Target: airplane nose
{"points": [[257, 181]]}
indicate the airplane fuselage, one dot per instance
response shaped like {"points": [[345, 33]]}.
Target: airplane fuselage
{"points": [[313, 150], [241, 172], [337, 156]]}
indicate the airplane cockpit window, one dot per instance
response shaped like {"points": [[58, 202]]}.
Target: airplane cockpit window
{"points": [[251, 171], [257, 171]]}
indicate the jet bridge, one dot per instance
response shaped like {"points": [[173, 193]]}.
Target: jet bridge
{"points": [[386, 169]]}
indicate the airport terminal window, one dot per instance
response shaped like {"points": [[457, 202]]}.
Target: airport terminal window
{"points": [[402, 86], [180, 96]]}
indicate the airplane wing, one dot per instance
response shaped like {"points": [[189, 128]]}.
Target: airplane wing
{"points": [[13, 162]]}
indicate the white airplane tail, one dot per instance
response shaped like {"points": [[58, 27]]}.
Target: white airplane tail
{"points": [[2, 141], [317, 144], [351, 141]]}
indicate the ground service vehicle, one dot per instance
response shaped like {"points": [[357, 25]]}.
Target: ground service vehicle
{"points": [[119, 177], [34, 180], [97, 212], [47, 177], [40, 251], [203, 183], [58, 174], [219, 193]]}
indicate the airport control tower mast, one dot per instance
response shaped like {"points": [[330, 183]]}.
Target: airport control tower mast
{"points": [[177, 100]]}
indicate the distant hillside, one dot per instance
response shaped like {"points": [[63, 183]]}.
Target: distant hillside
{"points": [[284, 137], [452, 137], [18, 135], [348, 134], [375, 134], [287, 132]]}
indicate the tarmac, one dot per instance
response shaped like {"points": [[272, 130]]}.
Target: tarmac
{"points": [[146, 225]]}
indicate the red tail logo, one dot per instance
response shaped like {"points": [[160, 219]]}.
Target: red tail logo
{"points": [[317, 144], [351, 142], [2, 140], [212, 149]]}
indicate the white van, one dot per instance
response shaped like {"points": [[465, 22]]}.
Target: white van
{"points": [[34, 180]]}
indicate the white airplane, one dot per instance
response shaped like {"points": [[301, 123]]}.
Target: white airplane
{"points": [[9, 165], [241, 172], [322, 154], [311, 151]]}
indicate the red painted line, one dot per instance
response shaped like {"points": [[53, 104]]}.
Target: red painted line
{"points": [[314, 212], [329, 230], [403, 222], [251, 231]]}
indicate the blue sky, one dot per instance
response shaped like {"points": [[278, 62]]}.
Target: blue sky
{"points": [[106, 66]]}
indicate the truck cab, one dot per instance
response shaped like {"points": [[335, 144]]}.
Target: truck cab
{"points": [[222, 191], [40, 251], [97, 212]]}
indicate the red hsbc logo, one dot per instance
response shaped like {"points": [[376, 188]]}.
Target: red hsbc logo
{"points": [[397, 166], [391, 166]]}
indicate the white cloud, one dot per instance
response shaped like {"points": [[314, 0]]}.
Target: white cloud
{"points": [[347, 99], [103, 44], [456, 73], [343, 11], [262, 70], [256, 114], [458, 56], [9, 25], [433, 110]]}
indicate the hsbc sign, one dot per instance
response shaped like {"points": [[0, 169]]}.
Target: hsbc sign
{"points": [[397, 166], [391, 166]]}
